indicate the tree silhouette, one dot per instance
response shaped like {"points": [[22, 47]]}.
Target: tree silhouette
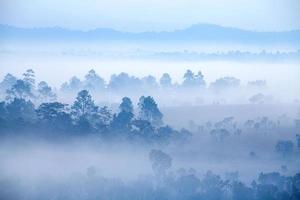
{"points": [[122, 121], [149, 111], [165, 80], [74, 85], [192, 80], [93, 81], [29, 78], [45, 92], [20, 90], [8, 81], [188, 78], [126, 105], [161, 162], [55, 116], [83, 106], [20, 108]]}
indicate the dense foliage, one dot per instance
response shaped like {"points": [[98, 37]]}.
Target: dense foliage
{"points": [[84, 117]]}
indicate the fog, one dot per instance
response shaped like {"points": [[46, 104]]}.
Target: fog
{"points": [[48, 59], [188, 145], [113, 121], [49, 67], [33, 166]]}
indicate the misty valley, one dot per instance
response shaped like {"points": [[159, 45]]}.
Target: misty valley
{"points": [[149, 100], [148, 137]]}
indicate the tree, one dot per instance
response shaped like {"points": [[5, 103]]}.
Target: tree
{"points": [[200, 79], [83, 106], [85, 113], [161, 162], [93, 81], [55, 115], [105, 118], [20, 108], [20, 90], [126, 105], [188, 78], [143, 128], [29, 78], [122, 121], [83, 125], [73, 86], [45, 92], [105, 115], [124, 81], [149, 82], [50, 111], [149, 111], [165, 80], [225, 83], [8, 81], [192, 80]]}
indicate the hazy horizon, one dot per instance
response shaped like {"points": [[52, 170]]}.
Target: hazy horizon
{"points": [[149, 30], [149, 100], [134, 15]]}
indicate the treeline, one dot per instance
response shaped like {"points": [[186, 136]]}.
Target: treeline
{"points": [[124, 81], [220, 56], [26, 87], [19, 115]]}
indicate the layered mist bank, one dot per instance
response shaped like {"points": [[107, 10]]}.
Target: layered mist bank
{"points": [[218, 52], [94, 170], [213, 49], [85, 141], [201, 168], [202, 112], [194, 88]]}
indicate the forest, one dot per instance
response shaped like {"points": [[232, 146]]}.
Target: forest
{"points": [[149, 100], [127, 150]]}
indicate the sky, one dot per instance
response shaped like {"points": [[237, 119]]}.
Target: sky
{"points": [[154, 15]]}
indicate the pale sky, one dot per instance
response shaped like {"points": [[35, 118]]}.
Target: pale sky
{"points": [[141, 15]]}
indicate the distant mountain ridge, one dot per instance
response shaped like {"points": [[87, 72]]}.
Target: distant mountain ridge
{"points": [[195, 33]]}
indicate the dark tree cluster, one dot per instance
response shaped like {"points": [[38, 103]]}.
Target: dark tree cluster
{"points": [[26, 88], [85, 117]]}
